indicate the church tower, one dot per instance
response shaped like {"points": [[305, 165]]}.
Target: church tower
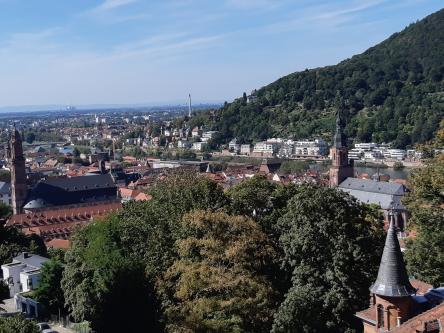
{"points": [[392, 291], [18, 173], [341, 168]]}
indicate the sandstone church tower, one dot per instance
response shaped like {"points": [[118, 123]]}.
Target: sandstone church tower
{"points": [[341, 167], [18, 173]]}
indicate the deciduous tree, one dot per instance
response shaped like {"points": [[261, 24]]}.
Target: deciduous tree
{"points": [[332, 246]]}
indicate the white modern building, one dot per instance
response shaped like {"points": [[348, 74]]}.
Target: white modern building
{"points": [[23, 273], [317, 147], [234, 146], [198, 146], [356, 153], [366, 145], [265, 147], [245, 149]]}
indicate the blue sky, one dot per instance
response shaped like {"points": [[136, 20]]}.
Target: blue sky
{"points": [[85, 52]]}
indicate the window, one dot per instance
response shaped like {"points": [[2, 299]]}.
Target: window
{"points": [[380, 310]]}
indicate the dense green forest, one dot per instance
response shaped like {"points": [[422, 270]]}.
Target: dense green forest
{"points": [[393, 92]]}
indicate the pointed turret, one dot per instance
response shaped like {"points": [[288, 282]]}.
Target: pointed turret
{"points": [[339, 138], [392, 280]]}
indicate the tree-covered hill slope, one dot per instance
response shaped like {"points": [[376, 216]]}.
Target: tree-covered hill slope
{"points": [[394, 91]]}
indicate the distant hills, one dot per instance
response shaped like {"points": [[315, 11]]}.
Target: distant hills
{"points": [[394, 91]]}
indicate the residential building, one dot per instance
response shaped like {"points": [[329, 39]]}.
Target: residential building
{"points": [[366, 146], [314, 148], [234, 146], [23, 273], [198, 146], [356, 153], [246, 149], [265, 148]]}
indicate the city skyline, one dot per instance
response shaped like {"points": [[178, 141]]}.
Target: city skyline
{"points": [[139, 52]]}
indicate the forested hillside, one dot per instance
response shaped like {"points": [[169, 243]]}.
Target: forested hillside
{"points": [[394, 91]]}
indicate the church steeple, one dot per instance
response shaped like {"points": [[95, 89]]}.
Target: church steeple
{"points": [[339, 138], [341, 168], [392, 280], [18, 173]]}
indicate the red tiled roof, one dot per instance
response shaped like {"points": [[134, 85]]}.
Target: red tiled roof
{"points": [[420, 286], [58, 243], [368, 314], [425, 322], [59, 223]]}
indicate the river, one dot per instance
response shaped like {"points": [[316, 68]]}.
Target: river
{"points": [[394, 174]]}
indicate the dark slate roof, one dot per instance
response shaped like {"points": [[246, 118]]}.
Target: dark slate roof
{"points": [[368, 185], [386, 195], [5, 188], [392, 280], [339, 140], [80, 183], [75, 190]]}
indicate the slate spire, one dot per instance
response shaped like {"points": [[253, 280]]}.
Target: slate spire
{"points": [[392, 280], [339, 138]]}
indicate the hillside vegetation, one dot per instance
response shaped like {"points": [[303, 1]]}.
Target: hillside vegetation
{"points": [[391, 92]]}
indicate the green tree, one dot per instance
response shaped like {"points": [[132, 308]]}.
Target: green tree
{"points": [[332, 246], [30, 137], [104, 285], [218, 284], [4, 291], [13, 242], [424, 255], [49, 291], [17, 324]]}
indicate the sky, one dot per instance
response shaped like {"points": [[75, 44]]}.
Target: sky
{"points": [[86, 52]]}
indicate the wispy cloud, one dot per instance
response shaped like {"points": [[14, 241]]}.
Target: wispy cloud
{"points": [[324, 16], [108, 5], [253, 4], [355, 7]]}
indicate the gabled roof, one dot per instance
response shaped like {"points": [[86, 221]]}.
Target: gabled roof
{"points": [[392, 280], [80, 183], [368, 185]]}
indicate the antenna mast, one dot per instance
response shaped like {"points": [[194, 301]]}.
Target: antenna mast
{"points": [[189, 105]]}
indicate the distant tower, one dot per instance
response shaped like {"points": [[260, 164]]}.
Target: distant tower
{"points": [[341, 168], [189, 106], [18, 173], [392, 292]]}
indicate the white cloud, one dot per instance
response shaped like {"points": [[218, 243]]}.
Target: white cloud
{"points": [[112, 4]]}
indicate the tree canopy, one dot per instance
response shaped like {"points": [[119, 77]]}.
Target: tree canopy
{"points": [[332, 246], [424, 253], [218, 284], [17, 324]]}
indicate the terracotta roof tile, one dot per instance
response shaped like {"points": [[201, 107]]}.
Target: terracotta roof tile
{"points": [[424, 322]]}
